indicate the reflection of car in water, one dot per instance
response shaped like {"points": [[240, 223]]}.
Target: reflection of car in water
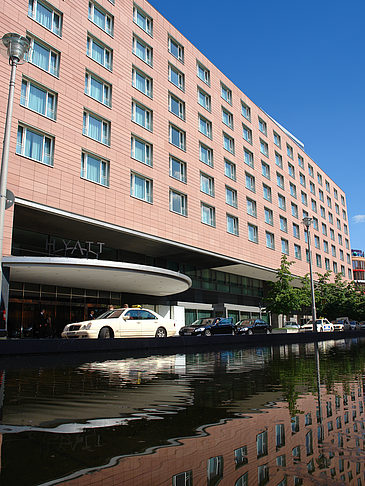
{"points": [[208, 327], [253, 326], [122, 323]]}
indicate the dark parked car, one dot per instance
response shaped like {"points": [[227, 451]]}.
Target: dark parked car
{"points": [[253, 326], [207, 327]]}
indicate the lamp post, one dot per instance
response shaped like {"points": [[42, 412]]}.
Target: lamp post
{"points": [[307, 222], [16, 47]]}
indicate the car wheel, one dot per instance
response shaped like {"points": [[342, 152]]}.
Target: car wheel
{"points": [[250, 332], [105, 333], [233, 332], [161, 332], [207, 332], [321, 329], [267, 331]]}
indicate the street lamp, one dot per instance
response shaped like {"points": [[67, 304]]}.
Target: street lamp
{"points": [[307, 222], [16, 47]]}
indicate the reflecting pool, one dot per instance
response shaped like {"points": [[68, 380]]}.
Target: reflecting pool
{"points": [[288, 415]]}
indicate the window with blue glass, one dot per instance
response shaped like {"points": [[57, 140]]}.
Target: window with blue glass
{"points": [[176, 77], [96, 128], [177, 169], [142, 82], [143, 20], [38, 98], [178, 202], [141, 150], [142, 50], [176, 49], [142, 115], [98, 89], [101, 17], [207, 214], [95, 169], [45, 14], [141, 187], [35, 145], [232, 224], [44, 56], [99, 52]]}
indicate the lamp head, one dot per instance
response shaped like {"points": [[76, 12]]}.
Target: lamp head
{"points": [[307, 221], [16, 46]]}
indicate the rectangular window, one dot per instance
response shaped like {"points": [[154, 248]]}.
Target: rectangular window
{"points": [[227, 118], [294, 210], [318, 260], [327, 264], [265, 169], [203, 73], [339, 239], [342, 200], [261, 444], [330, 217], [289, 151], [228, 143], [246, 111], [300, 161], [176, 77], [280, 180], [337, 208], [341, 255], [240, 456], [177, 137], [230, 169], [323, 212], [246, 133], [35, 145], [266, 192], [100, 17], [94, 169], [335, 267], [315, 223], [281, 202], [204, 99], [338, 224], [324, 229], [141, 150], [141, 187], [284, 246], [291, 170], [312, 188], [302, 179], [142, 50], [248, 156], [251, 207], [325, 246], [263, 475], [176, 49], [44, 56], [178, 202], [344, 215], [207, 214], [226, 93], [280, 435], [177, 169], [205, 154], [250, 182], [278, 160], [314, 205], [176, 106], [215, 470], [38, 98], [329, 202], [332, 234], [283, 224], [231, 196], [142, 115], [304, 198], [293, 190], [46, 15], [296, 232], [264, 148], [269, 217], [143, 20], [252, 233], [310, 170], [262, 126], [277, 140], [333, 250], [232, 224], [99, 52], [96, 128], [297, 252], [207, 184], [320, 195], [319, 179], [98, 89], [183, 479], [205, 126], [142, 82], [270, 242]]}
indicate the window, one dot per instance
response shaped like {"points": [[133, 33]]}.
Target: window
{"points": [[208, 214], [341, 255], [264, 148], [266, 192], [246, 111], [176, 77], [250, 182], [283, 224], [263, 474], [248, 157], [94, 169], [293, 190], [332, 234], [176, 49], [337, 208], [296, 232], [314, 205], [46, 15], [300, 161], [304, 198], [35, 145], [284, 246], [280, 435], [142, 50], [297, 252], [228, 143], [319, 179], [344, 215], [176, 106], [281, 202], [247, 133], [251, 207], [142, 82], [269, 218], [99, 52], [339, 239], [333, 250], [230, 169], [315, 223], [141, 150], [330, 217], [338, 223], [265, 169], [231, 196], [141, 115], [327, 264], [345, 230], [270, 242], [178, 202], [205, 154], [278, 160], [183, 479], [177, 169], [232, 224], [318, 260], [227, 118], [324, 229], [203, 73], [335, 267], [44, 56], [320, 195], [177, 137], [262, 126], [289, 151], [215, 470], [252, 233], [96, 128], [205, 126], [280, 180], [310, 170], [141, 187], [291, 170], [328, 188], [142, 20], [323, 212], [226, 93], [204, 99], [325, 246], [207, 184], [38, 98], [302, 179], [98, 89], [101, 18], [277, 140], [347, 244], [240, 456]]}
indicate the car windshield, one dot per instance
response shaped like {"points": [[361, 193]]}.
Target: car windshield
{"points": [[111, 314], [245, 322], [196, 323]]}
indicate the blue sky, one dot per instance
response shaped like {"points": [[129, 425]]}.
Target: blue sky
{"points": [[301, 62]]}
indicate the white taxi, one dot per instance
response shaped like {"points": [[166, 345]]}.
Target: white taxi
{"points": [[122, 323]]}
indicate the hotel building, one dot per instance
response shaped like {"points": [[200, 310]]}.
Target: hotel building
{"points": [[142, 174]]}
